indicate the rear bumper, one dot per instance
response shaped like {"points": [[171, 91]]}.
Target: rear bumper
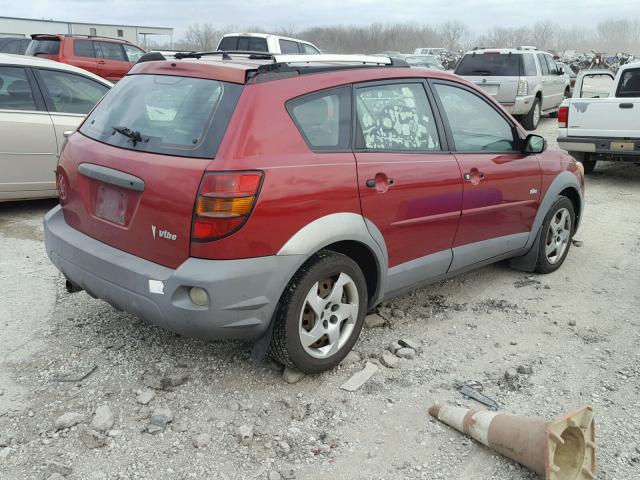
{"points": [[602, 146], [520, 106], [243, 294]]}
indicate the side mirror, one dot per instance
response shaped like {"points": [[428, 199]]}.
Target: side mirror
{"points": [[535, 144], [559, 72]]}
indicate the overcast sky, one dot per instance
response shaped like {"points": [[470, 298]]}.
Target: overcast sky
{"points": [[477, 14]]}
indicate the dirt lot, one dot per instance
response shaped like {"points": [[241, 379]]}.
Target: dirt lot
{"points": [[578, 330]]}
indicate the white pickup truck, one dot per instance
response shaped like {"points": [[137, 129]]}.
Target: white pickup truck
{"points": [[601, 121]]}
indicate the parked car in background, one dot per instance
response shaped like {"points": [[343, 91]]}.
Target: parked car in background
{"points": [[601, 121], [526, 82], [14, 45], [423, 61], [108, 57], [568, 71], [183, 200], [429, 51], [263, 42], [39, 100]]}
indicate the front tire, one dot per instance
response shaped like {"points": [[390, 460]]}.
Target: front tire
{"points": [[320, 313], [555, 235], [531, 120]]}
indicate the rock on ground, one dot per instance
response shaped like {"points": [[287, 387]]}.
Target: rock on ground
{"points": [[68, 420], [102, 419], [245, 434], [145, 397], [291, 375], [360, 378], [406, 353], [202, 440], [389, 360], [373, 321]]}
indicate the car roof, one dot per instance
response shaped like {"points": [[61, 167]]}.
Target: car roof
{"points": [[516, 51], [28, 61], [265, 36], [44, 36], [239, 68]]}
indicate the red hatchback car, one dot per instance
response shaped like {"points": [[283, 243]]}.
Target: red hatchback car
{"points": [[108, 57], [277, 199]]}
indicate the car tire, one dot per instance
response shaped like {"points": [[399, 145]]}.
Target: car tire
{"points": [[586, 161], [326, 301], [556, 234], [530, 120]]}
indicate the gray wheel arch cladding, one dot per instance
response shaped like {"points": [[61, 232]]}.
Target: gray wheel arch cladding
{"points": [[563, 181], [337, 227]]}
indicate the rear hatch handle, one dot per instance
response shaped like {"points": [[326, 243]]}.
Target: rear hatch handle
{"points": [[109, 175]]}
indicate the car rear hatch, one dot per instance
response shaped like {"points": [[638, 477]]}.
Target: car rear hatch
{"points": [[132, 174], [45, 46], [496, 73]]}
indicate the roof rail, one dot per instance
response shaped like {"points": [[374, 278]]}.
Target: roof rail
{"points": [[226, 54], [331, 58]]}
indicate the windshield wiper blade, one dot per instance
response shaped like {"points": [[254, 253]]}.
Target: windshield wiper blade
{"points": [[134, 135]]}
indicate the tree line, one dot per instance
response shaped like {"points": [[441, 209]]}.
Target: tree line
{"points": [[611, 36]]}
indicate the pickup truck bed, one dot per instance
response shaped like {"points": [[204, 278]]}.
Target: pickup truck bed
{"points": [[601, 125]]}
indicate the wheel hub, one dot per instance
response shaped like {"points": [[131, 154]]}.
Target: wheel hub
{"points": [[558, 235]]}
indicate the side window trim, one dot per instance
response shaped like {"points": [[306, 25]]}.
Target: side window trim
{"points": [[445, 120], [431, 100], [340, 89]]}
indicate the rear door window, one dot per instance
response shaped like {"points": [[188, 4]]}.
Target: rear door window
{"points": [[71, 93], [530, 69], [395, 117], [15, 91], [324, 119], [476, 126], [629, 85], [84, 48], [309, 49], [43, 47], [551, 64], [544, 67], [112, 51], [287, 46], [490, 64], [171, 115]]}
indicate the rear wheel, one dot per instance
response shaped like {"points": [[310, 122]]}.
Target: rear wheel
{"points": [[530, 120], [320, 314], [555, 235], [586, 161]]}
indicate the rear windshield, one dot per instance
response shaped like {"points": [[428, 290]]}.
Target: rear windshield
{"points": [[490, 65], [243, 44], [43, 47], [629, 85], [164, 114]]}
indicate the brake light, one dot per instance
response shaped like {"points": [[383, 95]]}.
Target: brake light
{"points": [[224, 203], [563, 117], [523, 88]]}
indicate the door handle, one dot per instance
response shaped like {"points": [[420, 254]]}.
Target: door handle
{"points": [[626, 105], [381, 182], [101, 62], [474, 176]]}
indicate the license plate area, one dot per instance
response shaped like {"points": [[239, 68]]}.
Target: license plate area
{"points": [[491, 89], [111, 204], [623, 146]]}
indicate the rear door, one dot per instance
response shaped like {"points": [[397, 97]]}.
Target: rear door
{"points": [[113, 63], [136, 191], [501, 184], [28, 148], [410, 184], [85, 55], [496, 73], [557, 81]]}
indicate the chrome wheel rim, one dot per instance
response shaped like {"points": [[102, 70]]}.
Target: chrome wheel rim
{"points": [[536, 114], [328, 316], [558, 236]]}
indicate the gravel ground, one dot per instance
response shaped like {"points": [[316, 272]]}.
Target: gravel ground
{"points": [[87, 392]]}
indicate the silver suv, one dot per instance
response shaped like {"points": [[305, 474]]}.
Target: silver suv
{"points": [[526, 82]]}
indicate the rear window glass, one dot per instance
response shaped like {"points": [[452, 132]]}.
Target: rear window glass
{"points": [[629, 85], [490, 65], [164, 114], [324, 119], [243, 44], [287, 46], [43, 47]]}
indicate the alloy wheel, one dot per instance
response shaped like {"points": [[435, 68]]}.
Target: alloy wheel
{"points": [[558, 236]]}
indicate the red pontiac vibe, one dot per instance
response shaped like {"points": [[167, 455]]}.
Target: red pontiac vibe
{"points": [[277, 199]]}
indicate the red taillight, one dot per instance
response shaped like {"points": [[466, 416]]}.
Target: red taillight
{"points": [[225, 201], [563, 117]]}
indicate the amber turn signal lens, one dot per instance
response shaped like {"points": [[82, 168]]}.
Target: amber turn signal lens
{"points": [[212, 207]]}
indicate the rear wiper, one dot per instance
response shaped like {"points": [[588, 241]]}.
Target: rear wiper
{"points": [[482, 72], [134, 135]]}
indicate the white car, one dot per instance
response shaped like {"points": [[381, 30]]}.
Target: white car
{"points": [[39, 100], [264, 42]]}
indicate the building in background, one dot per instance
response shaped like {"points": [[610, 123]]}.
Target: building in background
{"points": [[138, 34]]}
